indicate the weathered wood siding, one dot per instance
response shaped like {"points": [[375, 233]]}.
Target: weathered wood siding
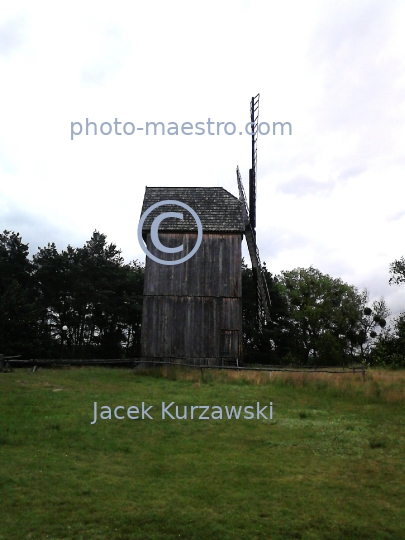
{"points": [[193, 310], [213, 271], [189, 327]]}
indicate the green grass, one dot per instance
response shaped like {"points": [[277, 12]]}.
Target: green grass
{"points": [[330, 465]]}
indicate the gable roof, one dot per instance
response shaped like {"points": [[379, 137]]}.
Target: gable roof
{"points": [[218, 210]]}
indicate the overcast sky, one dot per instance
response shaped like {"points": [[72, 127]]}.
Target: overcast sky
{"points": [[331, 195]]}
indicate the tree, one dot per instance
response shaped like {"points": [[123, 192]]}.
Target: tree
{"points": [[55, 276], [390, 348], [131, 312], [14, 263], [324, 313], [397, 269], [93, 293], [372, 324], [267, 346], [20, 328]]}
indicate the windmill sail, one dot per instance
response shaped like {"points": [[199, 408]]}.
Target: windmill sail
{"points": [[263, 295], [254, 123]]}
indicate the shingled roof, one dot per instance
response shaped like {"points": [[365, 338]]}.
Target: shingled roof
{"points": [[219, 210]]}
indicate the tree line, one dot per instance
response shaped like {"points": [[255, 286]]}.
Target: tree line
{"points": [[97, 298], [89, 290], [320, 320]]}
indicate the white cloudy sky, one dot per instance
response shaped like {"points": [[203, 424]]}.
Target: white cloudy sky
{"points": [[330, 195]]}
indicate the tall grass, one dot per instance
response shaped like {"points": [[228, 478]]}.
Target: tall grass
{"points": [[379, 385]]}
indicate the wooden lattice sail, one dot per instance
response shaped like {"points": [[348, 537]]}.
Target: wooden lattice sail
{"points": [[249, 216]]}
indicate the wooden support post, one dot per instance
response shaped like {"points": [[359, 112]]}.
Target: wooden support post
{"points": [[1, 363]]}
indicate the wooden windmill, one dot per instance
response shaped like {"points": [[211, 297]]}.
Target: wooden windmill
{"points": [[249, 216], [192, 312]]}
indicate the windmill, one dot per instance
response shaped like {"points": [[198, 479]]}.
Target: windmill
{"points": [[192, 312], [249, 216]]}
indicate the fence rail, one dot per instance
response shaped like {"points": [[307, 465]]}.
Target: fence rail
{"points": [[142, 363]]}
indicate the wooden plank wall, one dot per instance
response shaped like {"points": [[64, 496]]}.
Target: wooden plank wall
{"points": [[213, 271], [187, 306]]}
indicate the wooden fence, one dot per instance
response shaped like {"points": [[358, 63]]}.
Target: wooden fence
{"points": [[147, 364]]}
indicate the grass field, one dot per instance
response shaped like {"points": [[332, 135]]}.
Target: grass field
{"points": [[329, 465]]}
